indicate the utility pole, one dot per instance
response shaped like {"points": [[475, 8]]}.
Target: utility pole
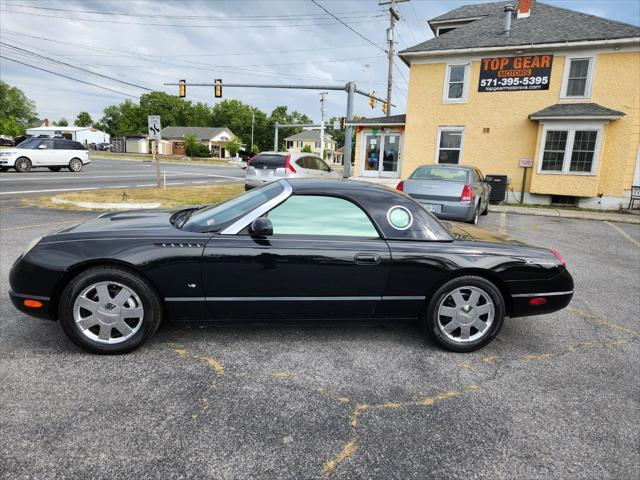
{"points": [[322, 96], [253, 119], [393, 17]]}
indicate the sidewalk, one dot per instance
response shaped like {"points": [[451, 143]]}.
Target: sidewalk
{"points": [[554, 212]]}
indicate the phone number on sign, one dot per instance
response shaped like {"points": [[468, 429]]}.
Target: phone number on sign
{"points": [[505, 82]]}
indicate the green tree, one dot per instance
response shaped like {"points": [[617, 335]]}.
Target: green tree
{"points": [[232, 146], [281, 115], [123, 119], [63, 122], [306, 149], [174, 111], [11, 127], [15, 104], [83, 120]]}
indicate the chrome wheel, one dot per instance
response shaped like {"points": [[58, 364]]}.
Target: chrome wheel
{"points": [[75, 165], [108, 312], [465, 314], [23, 165]]}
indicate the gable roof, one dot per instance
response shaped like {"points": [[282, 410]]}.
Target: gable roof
{"points": [[203, 133], [576, 110], [546, 25], [313, 135]]}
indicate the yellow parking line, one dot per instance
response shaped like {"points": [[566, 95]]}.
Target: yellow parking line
{"points": [[623, 233], [22, 227]]}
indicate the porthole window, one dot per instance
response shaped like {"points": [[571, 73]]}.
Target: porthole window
{"points": [[400, 218]]}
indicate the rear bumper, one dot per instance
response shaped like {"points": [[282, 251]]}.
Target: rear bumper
{"points": [[451, 210], [557, 293]]}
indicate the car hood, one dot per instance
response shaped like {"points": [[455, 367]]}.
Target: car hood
{"points": [[132, 223]]}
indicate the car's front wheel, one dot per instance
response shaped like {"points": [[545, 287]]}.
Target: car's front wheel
{"points": [[23, 165], [75, 165], [109, 310], [465, 314], [54, 169]]}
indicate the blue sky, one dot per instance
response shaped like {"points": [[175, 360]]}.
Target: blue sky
{"points": [[148, 43]]}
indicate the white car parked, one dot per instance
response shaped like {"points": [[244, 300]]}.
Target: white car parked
{"points": [[52, 153], [267, 167]]}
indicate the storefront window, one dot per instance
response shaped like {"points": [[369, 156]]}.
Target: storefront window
{"points": [[449, 145]]}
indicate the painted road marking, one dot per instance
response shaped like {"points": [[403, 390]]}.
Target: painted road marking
{"points": [[623, 233], [64, 189], [503, 223], [108, 176]]}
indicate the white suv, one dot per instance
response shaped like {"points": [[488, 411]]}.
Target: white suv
{"points": [[267, 167], [53, 153]]}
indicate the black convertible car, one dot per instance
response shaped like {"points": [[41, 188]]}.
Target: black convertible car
{"points": [[293, 249]]}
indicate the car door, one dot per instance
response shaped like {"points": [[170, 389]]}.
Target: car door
{"points": [[325, 260], [63, 152], [323, 169]]}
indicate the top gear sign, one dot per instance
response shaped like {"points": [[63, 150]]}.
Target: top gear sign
{"points": [[530, 72]]}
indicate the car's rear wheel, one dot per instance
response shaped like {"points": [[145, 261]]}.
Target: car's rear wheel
{"points": [[486, 210], [23, 165], [476, 216], [75, 165], [109, 310], [465, 314], [54, 169]]}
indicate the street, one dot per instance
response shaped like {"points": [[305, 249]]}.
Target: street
{"points": [[113, 173], [552, 397]]}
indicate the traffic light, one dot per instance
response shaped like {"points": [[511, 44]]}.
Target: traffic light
{"points": [[182, 88], [217, 90], [343, 122], [384, 107], [372, 101]]}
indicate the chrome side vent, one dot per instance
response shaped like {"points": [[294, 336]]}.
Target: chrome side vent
{"points": [[180, 245]]}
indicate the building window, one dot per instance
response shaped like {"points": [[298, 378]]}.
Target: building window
{"points": [[449, 145], [317, 144], [570, 150], [456, 83], [578, 76]]}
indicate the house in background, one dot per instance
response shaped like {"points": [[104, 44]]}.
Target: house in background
{"points": [[311, 139], [508, 84], [214, 138]]}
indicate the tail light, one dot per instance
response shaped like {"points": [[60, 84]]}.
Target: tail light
{"points": [[467, 194], [400, 186], [559, 257], [287, 164], [251, 160]]}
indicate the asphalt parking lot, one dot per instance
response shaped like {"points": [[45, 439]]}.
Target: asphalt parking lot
{"points": [[554, 397], [114, 173]]}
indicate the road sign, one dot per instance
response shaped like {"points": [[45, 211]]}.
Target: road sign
{"points": [[526, 163], [336, 124], [154, 127]]}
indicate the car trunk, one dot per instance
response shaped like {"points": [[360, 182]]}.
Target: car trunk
{"points": [[434, 190], [268, 165]]}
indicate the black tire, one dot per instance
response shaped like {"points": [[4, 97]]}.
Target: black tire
{"points": [[54, 169], [75, 165], [435, 331], [151, 303], [476, 215], [23, 165]]}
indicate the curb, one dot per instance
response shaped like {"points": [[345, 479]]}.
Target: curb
{"points": [[174, 162], [549, 212], [106, 205]]}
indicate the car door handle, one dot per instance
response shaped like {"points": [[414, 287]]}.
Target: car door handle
{"points": [[367, 258]]}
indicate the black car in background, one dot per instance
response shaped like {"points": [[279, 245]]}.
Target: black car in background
{"points": [[292, 249]]}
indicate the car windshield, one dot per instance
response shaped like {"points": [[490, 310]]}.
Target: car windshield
{"points": [[30, 143], [215, 217], [446, 174]]}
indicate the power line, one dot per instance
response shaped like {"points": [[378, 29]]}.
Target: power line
{"points": [[185, 25], [67, 77], [352, 29], [29, 52]]}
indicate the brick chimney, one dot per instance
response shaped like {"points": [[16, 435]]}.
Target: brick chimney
{"points": [[524, 8], [45, 123]]}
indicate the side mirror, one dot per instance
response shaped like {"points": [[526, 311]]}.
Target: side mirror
{"points": [[261, 227]]}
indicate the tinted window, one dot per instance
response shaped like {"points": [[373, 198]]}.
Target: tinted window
{"points": [[29, 143], [271, 161], [447, 174], [79, 146], [215, 216], [62, 145], [308, 162], [48, 144], [322, 165], [317, 215]]}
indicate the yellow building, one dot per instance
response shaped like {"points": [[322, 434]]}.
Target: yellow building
{"points": [[499, 87], [311, 139]]}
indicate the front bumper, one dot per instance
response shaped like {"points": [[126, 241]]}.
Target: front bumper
{"points": [[18, 300]]}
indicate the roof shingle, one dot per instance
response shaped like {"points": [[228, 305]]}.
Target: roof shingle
{"points": [[203, 133], [547, 24], [587, 110]]}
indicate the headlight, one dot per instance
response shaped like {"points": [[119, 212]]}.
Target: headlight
{"points": [[5, 154], [32, 244]]}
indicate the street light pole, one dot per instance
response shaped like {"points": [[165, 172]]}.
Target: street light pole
{"points": [[322, 95], [348, 132]]}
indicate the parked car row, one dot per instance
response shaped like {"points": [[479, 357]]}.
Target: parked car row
{"points": [[51, 153]]}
